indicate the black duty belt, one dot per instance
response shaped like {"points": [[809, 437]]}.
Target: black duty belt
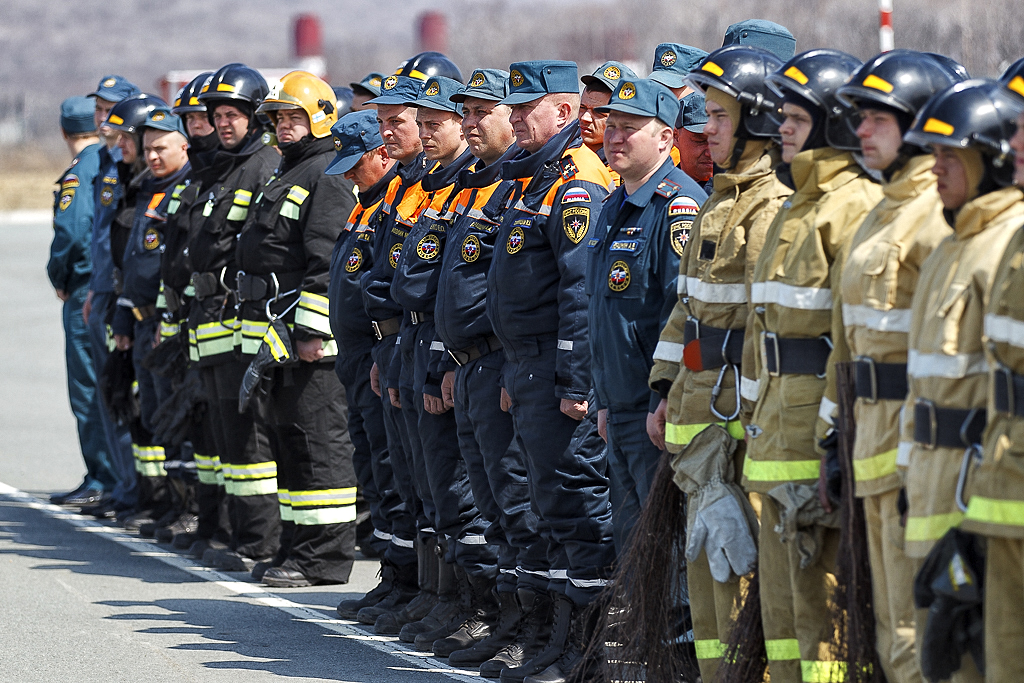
{"points": [[947, 427], [144, 312], [712, 347], [206, 285], [875, 381], [386, 328], [1007, 386], [471, 353], [418, 318], [260, 287], [796, 356]]}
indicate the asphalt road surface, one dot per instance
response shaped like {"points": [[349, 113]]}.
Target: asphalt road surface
{"points": [[84, 601]]}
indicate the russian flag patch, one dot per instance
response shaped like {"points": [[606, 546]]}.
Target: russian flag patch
{"points": [[575, 194], [683, 206]]}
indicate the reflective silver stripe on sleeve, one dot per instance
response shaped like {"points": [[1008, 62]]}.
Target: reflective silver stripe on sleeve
{"points": [[956, 366], [894, 320], [1001, 328], [716, 293], [669, 351], [791, 296], [565, 345]]}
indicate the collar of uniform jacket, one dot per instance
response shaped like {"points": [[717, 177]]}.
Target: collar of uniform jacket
{"points": [[978, 214], [154, 184], [529, 164], [480, 175], [413, 172], [726, 181], [823, 170], [373, 194], [908, 182], [440, 178], [642, 197]]}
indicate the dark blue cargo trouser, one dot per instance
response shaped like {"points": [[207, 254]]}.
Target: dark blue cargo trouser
{"points": [[567, 469], [632, 462], [497, 471]]}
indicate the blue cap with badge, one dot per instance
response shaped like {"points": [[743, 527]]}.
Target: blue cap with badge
{"points": [[673, 62], [114, 88], [692, 114], [397, 89], [354, 135], [161, 118], [484, 84], [609, 74], [76, 115], [529, 81], [644, 97], [764, 34], [370, 85], [436, 94]]}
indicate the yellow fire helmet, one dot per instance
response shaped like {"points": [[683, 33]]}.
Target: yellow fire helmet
{"points": [[303, 90]]}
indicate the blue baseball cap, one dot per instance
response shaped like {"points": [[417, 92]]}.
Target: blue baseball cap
{"points": [[764, 34], [76, 115], [369, 85], [644, 97], [692, 115], [529, 81], [114, 88], [609, 74], [484, 84], [354, 135], [161, 118], [397, 89], [436, 94], [673, 62]]}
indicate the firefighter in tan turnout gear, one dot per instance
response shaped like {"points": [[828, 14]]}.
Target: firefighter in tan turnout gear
{"points": [[967, 128], [791, 323], [699, 353], [996, 507]]}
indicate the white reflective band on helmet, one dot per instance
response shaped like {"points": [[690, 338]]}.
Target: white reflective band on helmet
{"points": [[895, 320], [1001, 328], [436, 346], [750, 389], [382, 535], [565, 345], [956, 366], [669, 351], [473, 539], [827, 410], [589, 583], [400, 542], [903, 453], [791, 296], [716, 293], [559, 574]]}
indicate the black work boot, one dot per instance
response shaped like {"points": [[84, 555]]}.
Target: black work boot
{"points": [[425, 641], [550, 651], [403, 589], [478, 622], [391, 623], [443, 611], [534, 631], [503, 633], [573, 663], [348, 609]]}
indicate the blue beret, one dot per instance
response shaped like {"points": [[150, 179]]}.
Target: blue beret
{"points": [[644, 97], [354, 135], [76, 115], [529, 81]]}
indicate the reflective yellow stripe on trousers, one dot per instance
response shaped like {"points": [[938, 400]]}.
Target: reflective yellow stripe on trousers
{"points": [[933, 527], [995, 511], [258, 479], [324, 506], [209, 469], [709, 649], [149, 460], [681, 435], [823, 672], [875, 467], [781, 470], [782, 649]]}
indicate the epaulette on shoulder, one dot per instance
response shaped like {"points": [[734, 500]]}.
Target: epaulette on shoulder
{"points": [[668, 188], [567, 167]]}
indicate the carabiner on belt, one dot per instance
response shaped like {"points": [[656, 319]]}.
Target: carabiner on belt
{"points": [[716, 391], [973, 452], [278, 295]]}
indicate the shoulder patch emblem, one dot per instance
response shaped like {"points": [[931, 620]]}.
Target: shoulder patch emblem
{"points": [[395, 254], [576, 222], [70, 180], [618, 276], [576, 194], [679, 234], [683, 206], [470, 249], [568, 168], [515, 240], [151, 240], [428, 248], [66, 198], [355, 260]]}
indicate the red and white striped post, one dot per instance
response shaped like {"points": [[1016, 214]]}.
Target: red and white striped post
{"points": [[885, 35]]}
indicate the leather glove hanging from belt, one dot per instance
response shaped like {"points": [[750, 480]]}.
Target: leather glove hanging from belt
{"points": [[275, 351], [950, 585], [185, 407], [719, 520], [169, 359], [802, 519], [118, 387]]}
